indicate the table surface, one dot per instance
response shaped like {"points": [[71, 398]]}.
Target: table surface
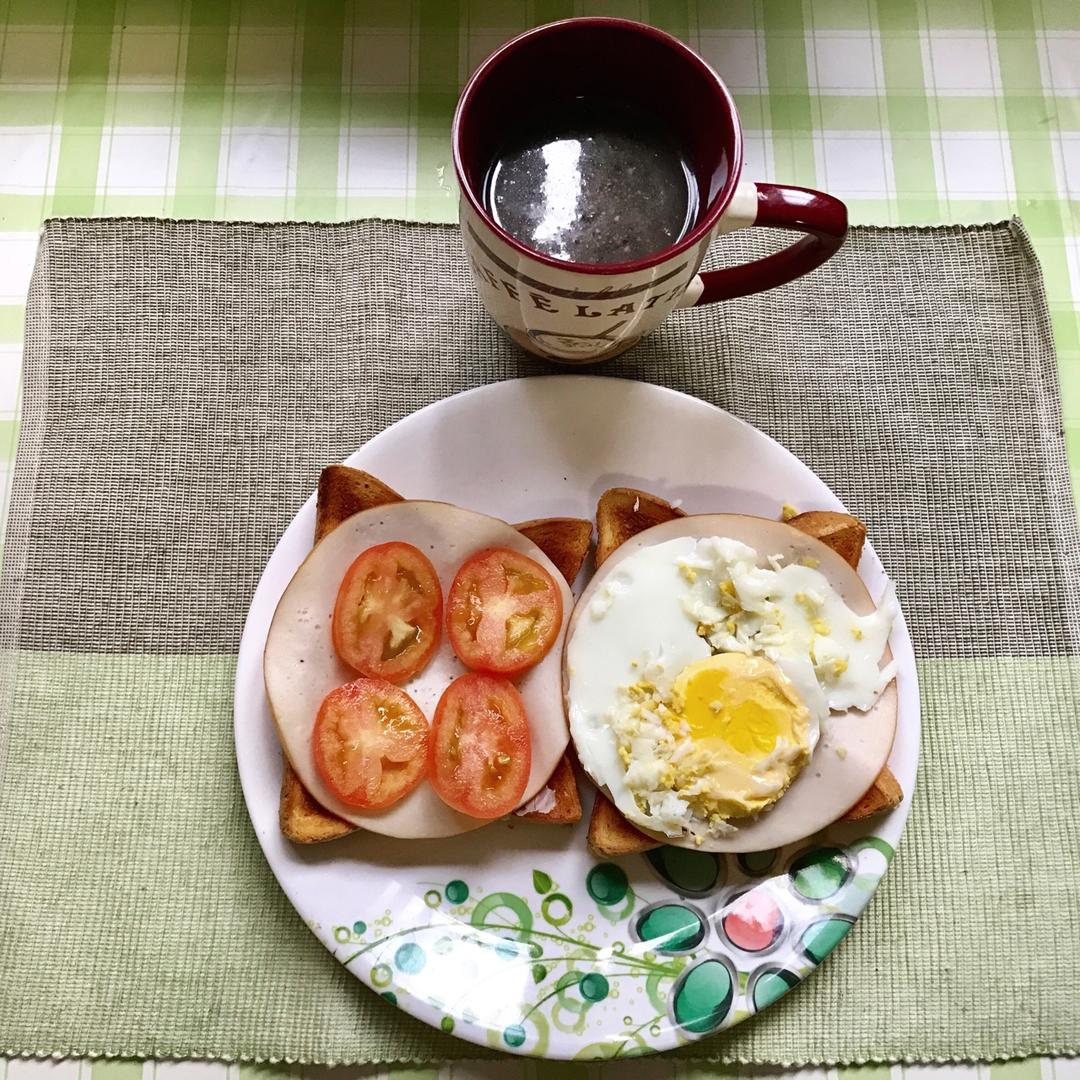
{"points": [[911, 111]]}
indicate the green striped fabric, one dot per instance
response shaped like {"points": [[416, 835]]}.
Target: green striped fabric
{"points": [[913, 111]]}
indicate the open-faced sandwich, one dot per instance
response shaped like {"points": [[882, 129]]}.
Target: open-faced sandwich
{"points": [[726, 678], [413, 667]]}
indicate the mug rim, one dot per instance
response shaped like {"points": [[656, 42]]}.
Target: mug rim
{"points": [[709, 219]]}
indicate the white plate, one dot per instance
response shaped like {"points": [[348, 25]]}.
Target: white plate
{"points": [[514, 936]]}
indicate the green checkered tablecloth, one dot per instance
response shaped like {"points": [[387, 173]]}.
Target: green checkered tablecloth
{"points": [[912, 111]]}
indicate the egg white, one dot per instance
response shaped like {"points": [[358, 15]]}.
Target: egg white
{"points": [[629, 617], [791, 614]]}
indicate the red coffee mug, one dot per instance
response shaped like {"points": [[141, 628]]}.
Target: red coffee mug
{"points": [[581, 312]]}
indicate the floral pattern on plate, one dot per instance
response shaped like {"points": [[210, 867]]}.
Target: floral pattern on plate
{"points": [[707, 941]]}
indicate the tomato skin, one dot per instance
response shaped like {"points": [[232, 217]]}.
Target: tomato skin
{"points": [[370, 743], [503, 612], [387, 618], [481, 751]]}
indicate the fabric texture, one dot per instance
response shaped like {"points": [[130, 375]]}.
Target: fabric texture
{"points": [[184, 384]]}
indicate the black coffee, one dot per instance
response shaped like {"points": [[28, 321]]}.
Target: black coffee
{"points": [[601, 183]]}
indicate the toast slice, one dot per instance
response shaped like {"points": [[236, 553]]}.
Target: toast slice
{"points": [[611, 835], [842, 532], [344, 491], [302, 819], [885, 793], [622, 513], [565, 541], [563, 787]]}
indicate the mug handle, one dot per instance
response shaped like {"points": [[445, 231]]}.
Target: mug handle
{"points": [[821, 217]]}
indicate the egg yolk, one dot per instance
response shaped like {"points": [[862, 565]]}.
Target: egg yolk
{"points": [[749, 733], [741, 700]]}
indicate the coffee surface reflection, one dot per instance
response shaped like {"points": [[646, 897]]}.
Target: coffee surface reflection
{"points": [[597, 183]]}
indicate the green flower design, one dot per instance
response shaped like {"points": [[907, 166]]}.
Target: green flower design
{"points": [[515, 966]]}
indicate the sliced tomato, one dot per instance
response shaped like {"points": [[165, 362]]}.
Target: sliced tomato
{"points": [[388, 614], [503, 613], [371, 743], [481, 752]]}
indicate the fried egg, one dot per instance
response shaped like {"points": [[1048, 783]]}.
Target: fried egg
{"points": [[724, 682]]}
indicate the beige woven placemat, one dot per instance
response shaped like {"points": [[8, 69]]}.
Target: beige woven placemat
{"points": [[184, 384]]}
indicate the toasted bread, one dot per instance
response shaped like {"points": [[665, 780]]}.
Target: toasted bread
{"points": [[842, 532], [564, 789], [302, 819], [344, 491], [622, 513], [885, 793], [611, 835], [565, 541]]}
